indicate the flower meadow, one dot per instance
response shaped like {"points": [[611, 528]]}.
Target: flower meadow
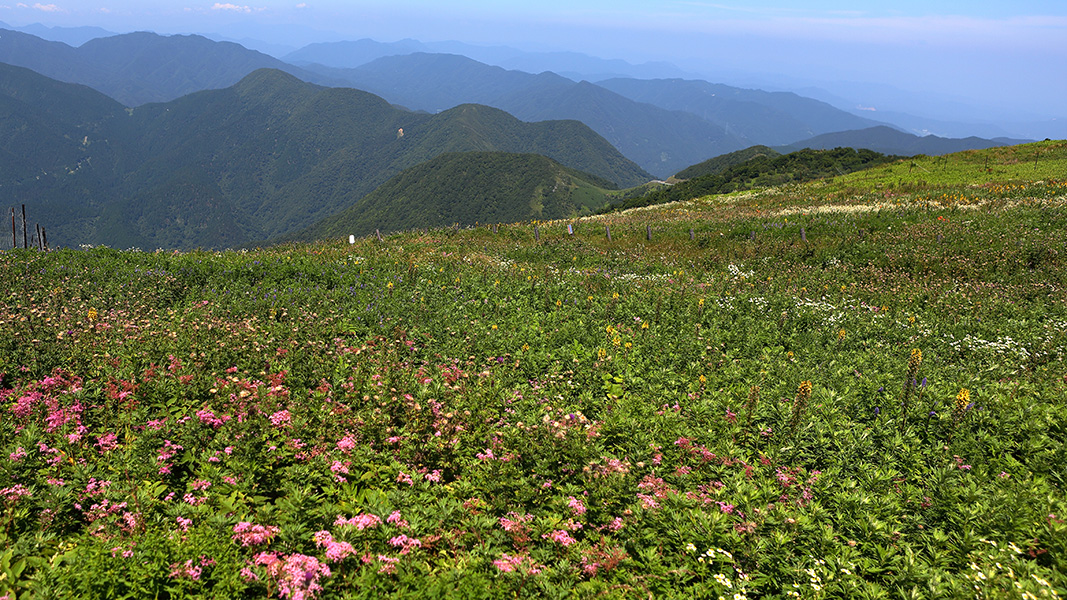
{"points": [[790, 393]]}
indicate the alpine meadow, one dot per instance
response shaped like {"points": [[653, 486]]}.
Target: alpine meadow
{"points": [[845, 388]]}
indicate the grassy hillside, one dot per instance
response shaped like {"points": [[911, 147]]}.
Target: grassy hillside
{"points": [[849, 388], [468, 188], [760, 171]]}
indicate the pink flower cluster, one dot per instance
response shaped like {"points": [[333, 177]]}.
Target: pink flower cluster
{"points": [[335, 551], [394, 518], [166, 453], [559, 536], [296, 575], [13, 493], [405, 543], [211, 419], [107, 442], [347, 443], [253, 535], [282, 418], [509, 564], [658, 488], [360, 522], [576, 506], [189, 569]]}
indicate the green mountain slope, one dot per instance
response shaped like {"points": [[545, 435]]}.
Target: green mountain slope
{"points": [[714, 166], [267, 156], [468, 188]]}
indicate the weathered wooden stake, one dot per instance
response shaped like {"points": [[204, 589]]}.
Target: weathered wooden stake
{"points": [[494, 228], [40, 244], [537, 234], [25, 240], [691, 234], [379, 234], [803, 236], [13, 238], [607, 230], [44, 240], [648, 232]]}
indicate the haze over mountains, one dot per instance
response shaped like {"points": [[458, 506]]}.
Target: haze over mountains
{"points": [[183, 141]]}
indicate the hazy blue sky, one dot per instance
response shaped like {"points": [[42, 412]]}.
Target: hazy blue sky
{"points": [[1009, 55]]}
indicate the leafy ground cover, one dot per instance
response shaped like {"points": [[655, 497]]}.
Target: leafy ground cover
{"points": [[850, 388]]}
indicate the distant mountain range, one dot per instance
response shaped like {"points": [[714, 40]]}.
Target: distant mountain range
{"points": [[663, 125], [659, 140], [891, 141], [137, 68], [262, 158]]}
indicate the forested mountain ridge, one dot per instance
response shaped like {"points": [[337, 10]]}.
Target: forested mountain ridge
{"points": [[269, 155], [468, 188]]}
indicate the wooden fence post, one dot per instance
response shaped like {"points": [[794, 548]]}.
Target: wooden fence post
{"points": [[690, 234], [13, 246], [25, 240], [607, 230], [648, 232], [44, 240], [537, 234], [803, 236], [378, 233]]}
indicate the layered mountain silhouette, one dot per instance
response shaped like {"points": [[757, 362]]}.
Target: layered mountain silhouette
{"points": [[891, 141], [137, 68], [660, 141]]}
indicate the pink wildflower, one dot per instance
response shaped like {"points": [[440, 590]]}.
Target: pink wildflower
{"points": [[560, 536], [253, 535], [282, 418], [360, 522], [394, 518], [576, 506], [347, 443], [107, 442], [405, 543]]}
